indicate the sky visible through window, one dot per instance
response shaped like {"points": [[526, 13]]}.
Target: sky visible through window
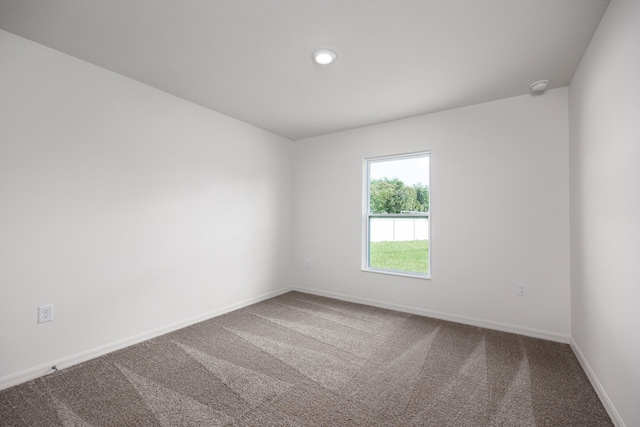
{"points": [[410, 171]]}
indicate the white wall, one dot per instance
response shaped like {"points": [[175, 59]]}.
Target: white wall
{"points": [[499, 212], [127, 208], [605, 207]]}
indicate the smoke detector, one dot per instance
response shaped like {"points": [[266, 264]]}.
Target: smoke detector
{"points": [[539, 86]]}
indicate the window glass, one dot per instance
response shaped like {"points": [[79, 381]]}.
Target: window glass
{"points": [[397, 214]]}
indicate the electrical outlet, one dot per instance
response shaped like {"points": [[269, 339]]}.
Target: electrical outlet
{"points": [[521, 290], [307, 265], [45, 313]]}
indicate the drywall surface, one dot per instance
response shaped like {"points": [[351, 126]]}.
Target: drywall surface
{"points": [[605, 207], [126, 208], [499, 212]]}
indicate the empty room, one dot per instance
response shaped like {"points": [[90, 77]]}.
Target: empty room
{"points": [[319, 213]]}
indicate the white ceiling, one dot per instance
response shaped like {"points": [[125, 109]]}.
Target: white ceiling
{"points": [[251, 59]]}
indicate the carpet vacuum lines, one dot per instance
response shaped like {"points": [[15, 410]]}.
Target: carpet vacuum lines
{"points": [[306, 360]]}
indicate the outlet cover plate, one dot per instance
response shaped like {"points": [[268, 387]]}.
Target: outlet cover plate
{"points": [[45, 313], [521, 289]]}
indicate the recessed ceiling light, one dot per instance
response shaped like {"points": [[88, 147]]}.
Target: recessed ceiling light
{"points": [[324, 56], [539, 86]]}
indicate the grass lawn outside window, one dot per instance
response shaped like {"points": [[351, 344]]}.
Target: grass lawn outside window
{"points": [[409, 256]]}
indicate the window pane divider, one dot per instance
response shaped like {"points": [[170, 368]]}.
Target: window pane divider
{"points": [[387, 215]]}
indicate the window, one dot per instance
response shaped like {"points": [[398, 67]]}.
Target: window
{"points": [[396, 218]]}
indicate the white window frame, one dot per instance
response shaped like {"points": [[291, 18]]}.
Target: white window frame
{"points": [[367, 215]]}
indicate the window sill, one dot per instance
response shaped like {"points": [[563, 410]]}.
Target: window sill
{"points": [[398, 273]]}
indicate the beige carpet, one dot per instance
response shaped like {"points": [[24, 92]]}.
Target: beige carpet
{"points": [[303, 360]]}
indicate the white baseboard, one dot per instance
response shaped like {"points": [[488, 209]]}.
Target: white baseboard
{"points": [[530, 332], [65, 362], [604, 397]]}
